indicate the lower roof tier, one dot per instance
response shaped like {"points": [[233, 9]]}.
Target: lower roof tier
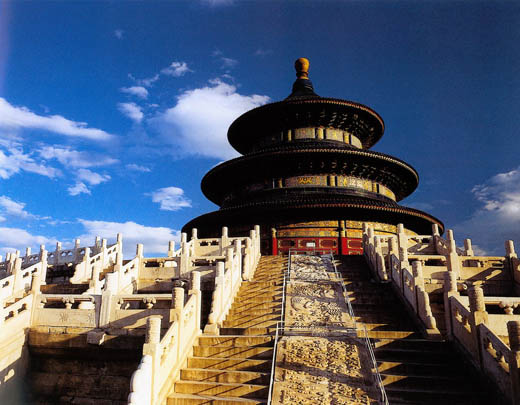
{"points": [[271, 213], [294, 160]]}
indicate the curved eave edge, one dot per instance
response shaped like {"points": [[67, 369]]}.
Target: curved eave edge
{"points": [[234, 212], [209, 186]]}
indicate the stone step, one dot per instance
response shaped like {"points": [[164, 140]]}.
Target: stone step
{"points": [[265, 352], [230, 364], [412, 345], [261, 282], [222, 389], [243, 317], [247, 331], [225, 376], [258, 322], [66, 288], [189, 399], [389, 327], [255, 306], [251, 324], [236, 340], [389, 334], [409, 356], [267, 311], [419, 395], [436, 382], [418, 369], [266, 291], [259, 299]]}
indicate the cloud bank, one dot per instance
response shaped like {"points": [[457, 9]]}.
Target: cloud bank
{"points": [[12, 117], [498, 219], [198, 123]]}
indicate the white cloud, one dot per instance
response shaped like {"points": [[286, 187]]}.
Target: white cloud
{"points": [[170, 198], [138, 91], [72, 158], [119, 34], [198, 123], [498, 219], [263, 52], [78, 188], [15, 238], [15, 160], [176, 69], [12, 117], [92, 178], [228, 63], [146, 82], [218, 2], [137, 168], [154, 239], [11, 207], [132, 111]]}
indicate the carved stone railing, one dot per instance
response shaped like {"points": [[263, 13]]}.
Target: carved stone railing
{"points": [[492, 341], [227, 283], [407, 279], [195, 254], [90, 266], [164, 357]]}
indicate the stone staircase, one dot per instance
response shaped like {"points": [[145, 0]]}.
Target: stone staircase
{"points": [[235, 367], [414, 370]]}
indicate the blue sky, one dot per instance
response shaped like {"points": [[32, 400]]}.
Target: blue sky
{"points": [[111, 112]]}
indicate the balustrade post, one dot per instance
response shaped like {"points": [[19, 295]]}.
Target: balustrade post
{"points": [[178, 302], [452, 259], [248, 261], [435, 230], [468, 248], [195, 290], [221, 270], [18, 275], [513, 330], [224, 239], [27, 251], [402, 237], [111, 283], [153, 329], [171, 248], [35, 283], [238, 253], [380, 262], [76, 256], [450, 290], [57, 253], [43, 261], [478, 314]]}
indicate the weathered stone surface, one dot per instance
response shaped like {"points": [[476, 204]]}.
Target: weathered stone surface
{"points": [[320, 370], [319, 360]]}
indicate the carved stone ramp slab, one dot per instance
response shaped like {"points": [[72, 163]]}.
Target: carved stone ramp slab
{"points": [[320, 359]]}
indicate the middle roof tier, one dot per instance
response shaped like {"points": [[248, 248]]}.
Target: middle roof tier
{"points": [[312, 165]]}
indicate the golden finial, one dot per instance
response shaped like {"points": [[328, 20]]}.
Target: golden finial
{"points": [[302, 68]]}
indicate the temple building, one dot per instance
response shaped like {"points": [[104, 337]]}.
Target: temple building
{"points": [[308, 178], [310, 285]]}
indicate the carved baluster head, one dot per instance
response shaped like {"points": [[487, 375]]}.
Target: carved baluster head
{"points": [[450, 282], [476, 298], [153, 329], [513, 330]]}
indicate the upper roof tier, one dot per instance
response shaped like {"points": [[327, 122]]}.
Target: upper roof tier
{"points": [[276, 123]]}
